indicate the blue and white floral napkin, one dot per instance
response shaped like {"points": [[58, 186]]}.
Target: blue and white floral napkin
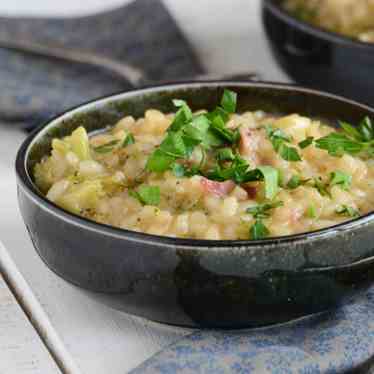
{"points": [[341, 341], [141, 33]]}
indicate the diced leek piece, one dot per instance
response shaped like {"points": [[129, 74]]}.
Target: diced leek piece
{"points": [[80, 144], [81, 196], [61, 146], [43, 175], [112, 184]]}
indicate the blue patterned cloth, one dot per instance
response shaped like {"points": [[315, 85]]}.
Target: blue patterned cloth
{"points": [[336, 342], [141, 33]]}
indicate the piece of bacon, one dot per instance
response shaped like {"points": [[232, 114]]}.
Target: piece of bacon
{"points": [[217, 188], [249, 144], [251, 191]]}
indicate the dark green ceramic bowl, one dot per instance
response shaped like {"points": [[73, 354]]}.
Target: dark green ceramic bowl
{"points": [[228, 284]]}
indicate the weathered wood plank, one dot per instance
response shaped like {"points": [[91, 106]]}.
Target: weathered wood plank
{"points": [[21, 349], [98, 339]]}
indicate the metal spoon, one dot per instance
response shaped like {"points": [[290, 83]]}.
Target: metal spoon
{"points": [[119, 69]]}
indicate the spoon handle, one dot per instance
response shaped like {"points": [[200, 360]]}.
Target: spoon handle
{"points": [[124, 71], [120, 70]]}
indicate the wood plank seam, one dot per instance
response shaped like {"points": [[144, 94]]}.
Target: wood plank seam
{"points": [[35, 314]]}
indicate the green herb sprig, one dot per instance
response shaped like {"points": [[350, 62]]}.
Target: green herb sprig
{"points": [[259, 230], [279, 140], [107, 147], [347, 211], [350, 140], [187, 131], [147, 195]]}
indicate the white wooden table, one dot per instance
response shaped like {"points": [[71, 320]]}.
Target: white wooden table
{"points": [[61, 329]]}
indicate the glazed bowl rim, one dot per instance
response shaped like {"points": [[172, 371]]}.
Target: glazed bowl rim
{"points": [[25, 182], [320, 32]]}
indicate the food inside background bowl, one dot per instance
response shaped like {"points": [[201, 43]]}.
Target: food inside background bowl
{"points": [[351, 18], [215, 175]]}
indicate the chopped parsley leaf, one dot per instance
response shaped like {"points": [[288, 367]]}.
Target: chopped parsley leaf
{"points": [[341, 179], [107, 147], [279, 140], [347, 211], [263, 210], [258, 230], [147, 195], [307, 142], [128, 140]]}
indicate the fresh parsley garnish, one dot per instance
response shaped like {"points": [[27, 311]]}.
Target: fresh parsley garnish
{"points": [[107, 147], [263, 210], [311, 212], [218, 126], [147, 195], [347, 211], [180, 170], [258, 230], [350, 140], [238, 171], [279, 140], [129, 139], [225, 154], [271, 179], [321, 187], [296, 182], [336, 144], [307, 142], [341, 179], [187, 131], [228, 101]]}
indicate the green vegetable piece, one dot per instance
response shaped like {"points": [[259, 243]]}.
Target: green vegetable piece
{"points": [[183, 115], [263, 210], [311, 212], [178, 170], [366, 129], [228, 101], [337, 144], [128, 140], [212, 140], [279, 139], [271, 179], [159, 161], [197, 128], [225, 154], [147, 195], [174, 146], [218, 125], [107, 147], [307, 142], [348, 211], [351, 131], [321, 187], [218, 112], [341, 179], [258, 231], [296, 182], [80, 144], [81, 196], [61, 146], [289, 153], [236, 171]]}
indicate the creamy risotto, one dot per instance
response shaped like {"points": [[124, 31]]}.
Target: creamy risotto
{"points": [[214, 175], [353, 18]]}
